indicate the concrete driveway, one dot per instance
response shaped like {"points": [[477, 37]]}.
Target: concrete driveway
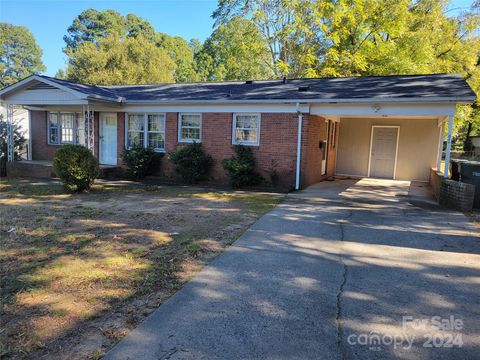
{"points": [[344, 270]]}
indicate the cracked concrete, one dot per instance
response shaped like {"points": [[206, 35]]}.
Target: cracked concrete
{"points": [[338, 318], [329, 265]]}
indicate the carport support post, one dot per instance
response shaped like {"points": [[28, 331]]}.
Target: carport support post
{"points": [[299, 148], [441, 135], [449, 146]]}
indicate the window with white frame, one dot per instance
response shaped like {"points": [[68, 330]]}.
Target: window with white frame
{"points": [[66, 124], [189, 127], [146, 130], [53, 129], [65, 128], [135, 130], [156, 131], [246, 129]]}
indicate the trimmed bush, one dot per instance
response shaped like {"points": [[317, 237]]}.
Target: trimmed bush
{"points": [[76, 166], [273, 174], [241, 168], [191, 163], [138, 161]]}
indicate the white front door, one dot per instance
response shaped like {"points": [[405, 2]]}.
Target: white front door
{"points": [[108, 138], [383, 152]]}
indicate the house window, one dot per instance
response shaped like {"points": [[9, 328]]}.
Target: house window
{"points": [[246, 129], [146, 130], [53, 129], [135, 130], [63, 128], [189, 127], [156, 131], [66, 123]]}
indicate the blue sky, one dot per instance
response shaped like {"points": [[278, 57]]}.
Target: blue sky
{"points": [[48, 20]]}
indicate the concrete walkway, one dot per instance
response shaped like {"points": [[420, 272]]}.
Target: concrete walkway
{"points": [[324, 276]]}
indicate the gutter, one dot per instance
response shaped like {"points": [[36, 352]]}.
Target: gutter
{"points": [[299, 146]]}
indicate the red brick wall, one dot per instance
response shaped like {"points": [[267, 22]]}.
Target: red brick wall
{"points": [[313, 132], [40, 148], [278, 142], [278, 134]]}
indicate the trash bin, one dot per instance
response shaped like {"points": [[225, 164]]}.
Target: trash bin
{"points": [[469, 172], [455, 168]]}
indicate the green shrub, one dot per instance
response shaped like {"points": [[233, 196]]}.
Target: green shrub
{"points": [[191, 163], [138, 161], [273, 174], [76, 166], [241, 167]]}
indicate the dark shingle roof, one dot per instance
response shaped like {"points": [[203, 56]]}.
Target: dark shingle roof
{"points": [[381, 88], [378, 87], [84, 89]]}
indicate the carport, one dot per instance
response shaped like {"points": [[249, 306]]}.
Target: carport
{"points": [[400, 140]]}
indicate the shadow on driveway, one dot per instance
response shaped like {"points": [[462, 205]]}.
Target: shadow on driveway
{"points": [[325, 275]]}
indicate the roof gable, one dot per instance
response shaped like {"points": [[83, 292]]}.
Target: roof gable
{"points": [[36, 86]]}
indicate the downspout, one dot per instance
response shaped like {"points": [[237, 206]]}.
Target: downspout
{"points": [[299, 147]]}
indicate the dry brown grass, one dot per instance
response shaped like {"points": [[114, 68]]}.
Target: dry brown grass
{"points": [[79, 271]]}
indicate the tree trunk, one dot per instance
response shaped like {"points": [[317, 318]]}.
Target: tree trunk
{"points": [[467, 144]]}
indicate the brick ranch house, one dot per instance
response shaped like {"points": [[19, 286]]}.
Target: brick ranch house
{"points": [[380, 126]]}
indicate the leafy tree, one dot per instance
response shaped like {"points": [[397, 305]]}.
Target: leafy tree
{"points": [[235, 51], [275, 19], [112, 61], [20, 56], [313, 38], [181, 53], [136, 26], [195, 45], [92, 25], [61, 74]]}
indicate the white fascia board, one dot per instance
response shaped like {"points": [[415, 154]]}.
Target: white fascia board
{"points": [[25, 82], [385, 109], [49, 102], [457, 100], [221, 108], [16, 86]]}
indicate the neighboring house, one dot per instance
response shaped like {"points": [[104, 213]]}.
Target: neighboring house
{"points": [[21, 118], [377, 126]]}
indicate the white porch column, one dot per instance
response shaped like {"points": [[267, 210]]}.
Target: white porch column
{"points": [[10, 140], [89, 116], [440, 145], [449, 146], [299, 151]]}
